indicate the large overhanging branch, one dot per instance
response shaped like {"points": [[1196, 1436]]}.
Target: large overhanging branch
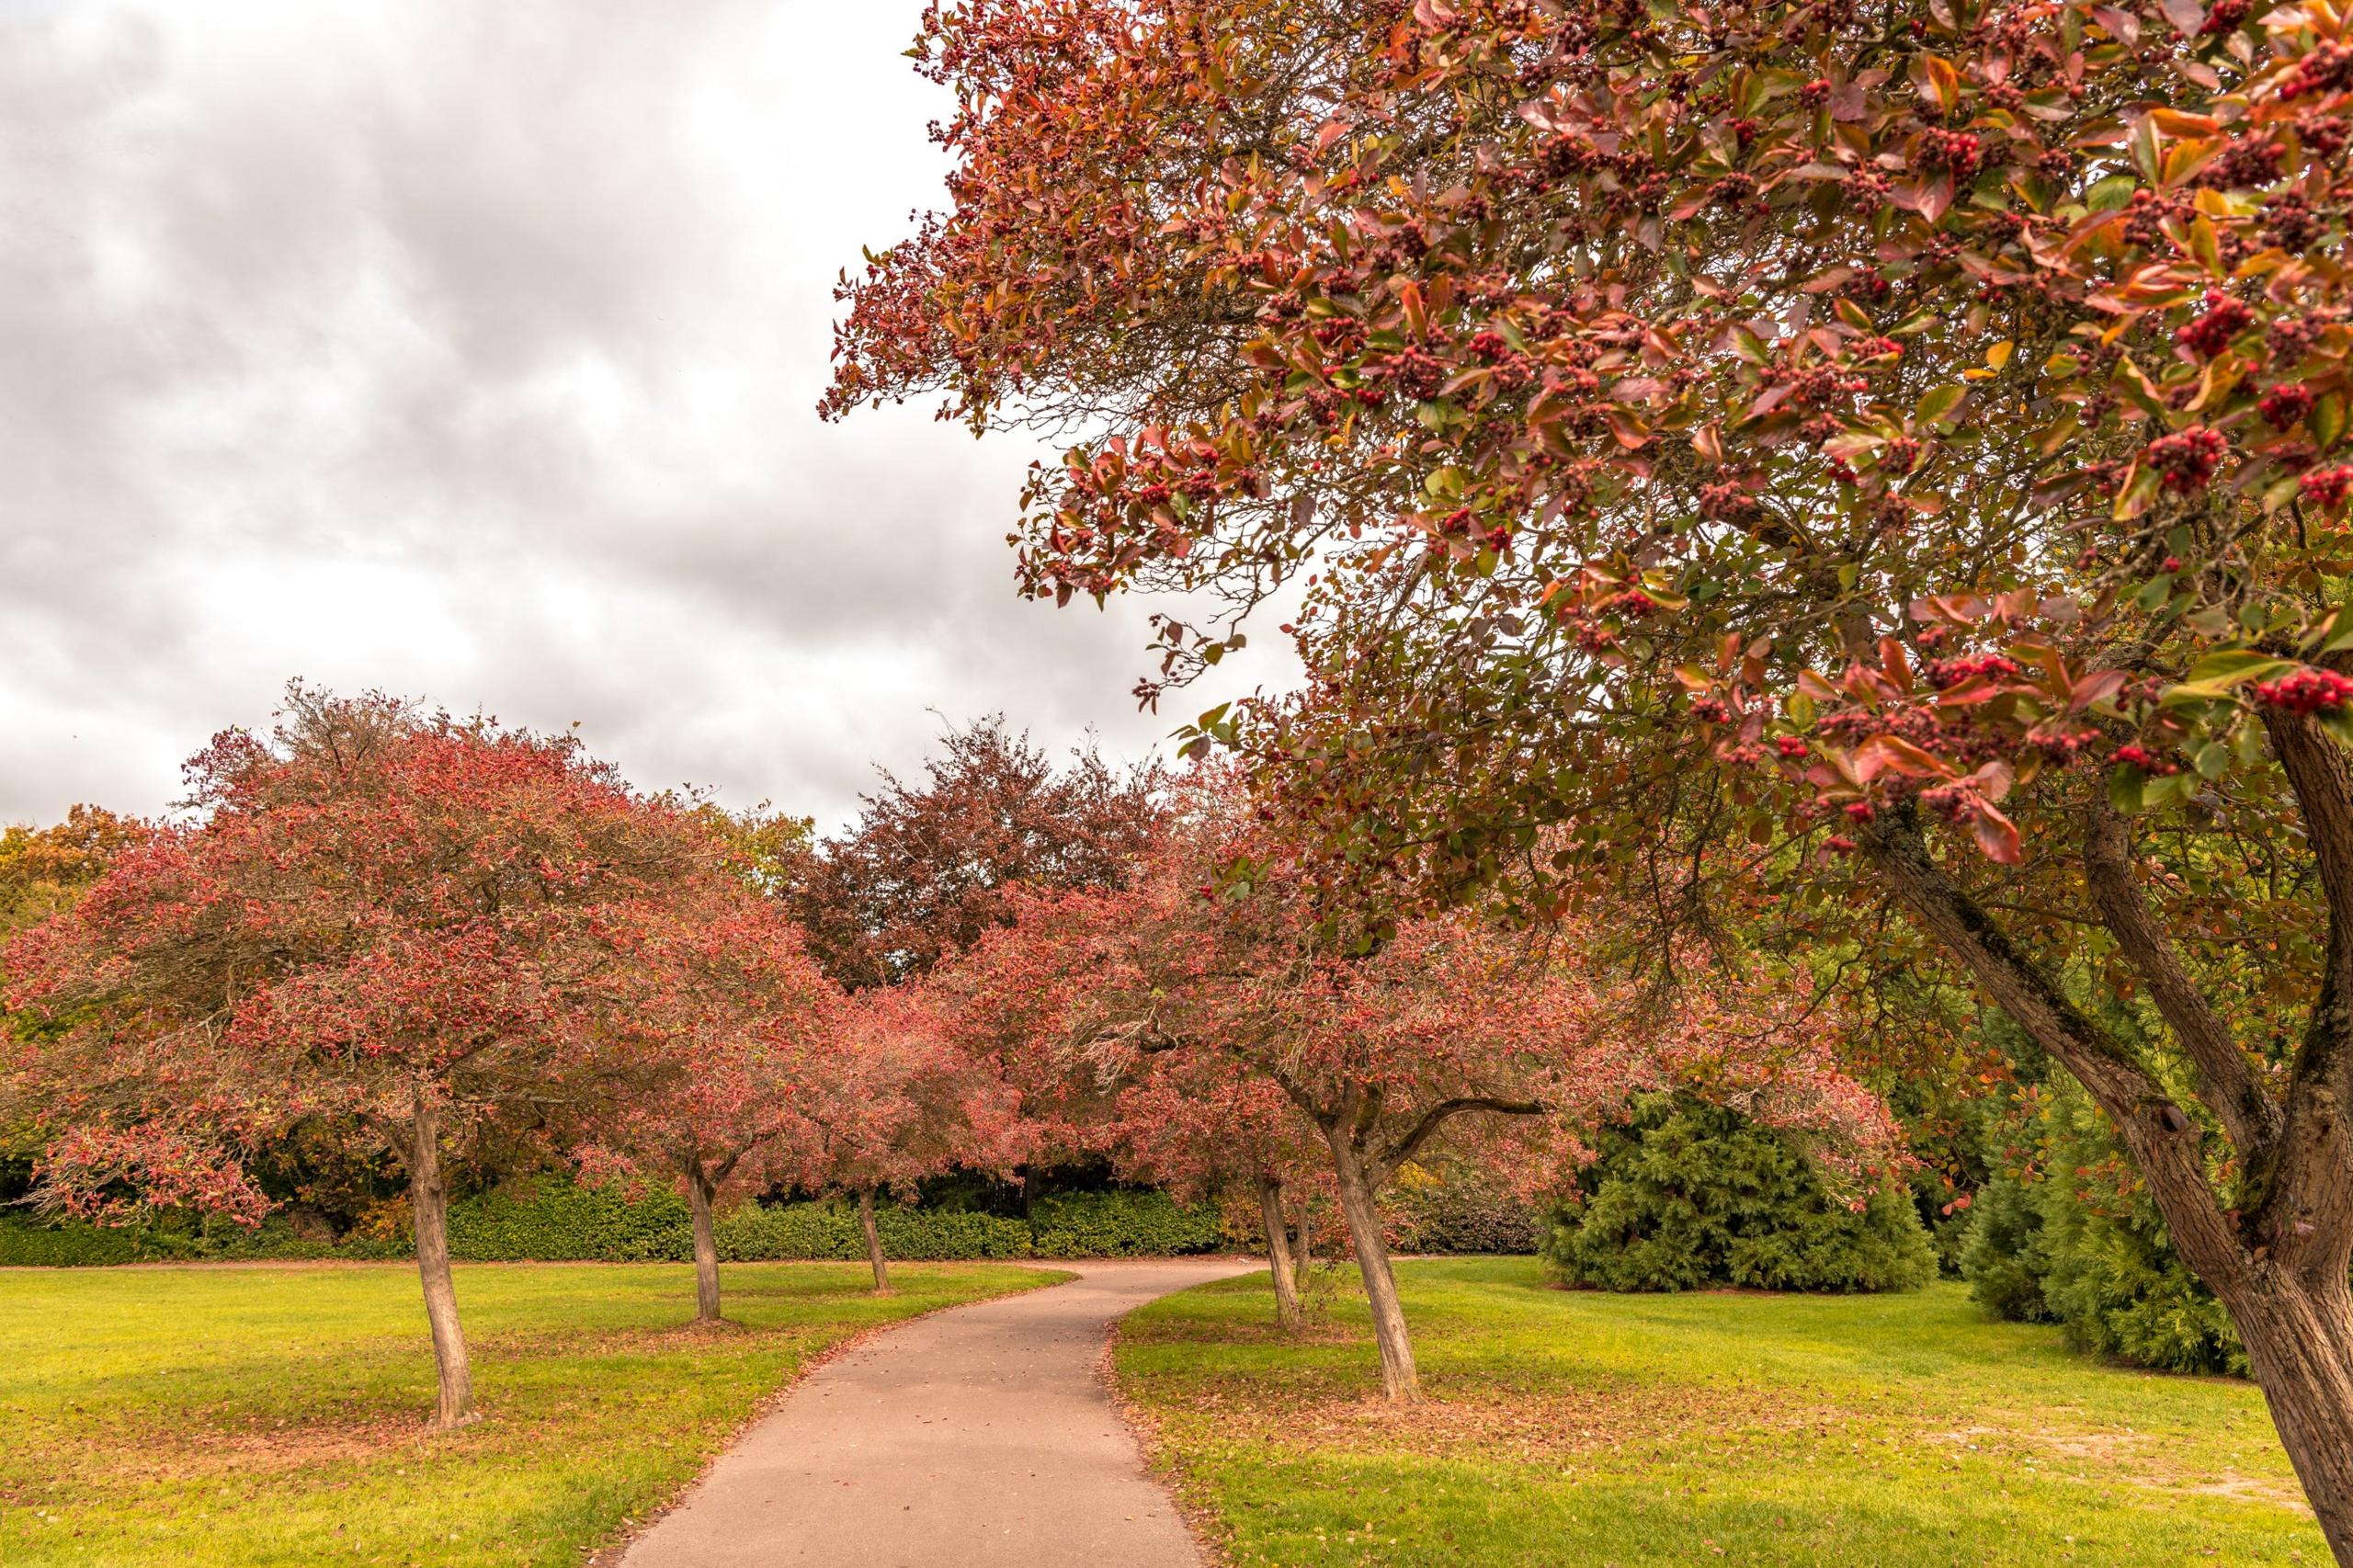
{"points": [[1439, 1115]]}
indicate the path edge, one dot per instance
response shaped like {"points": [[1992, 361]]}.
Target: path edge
{"points": [[1202, 1522]]}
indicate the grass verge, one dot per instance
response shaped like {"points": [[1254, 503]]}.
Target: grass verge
{"points": [[1576, 1430], [268, 1416]]}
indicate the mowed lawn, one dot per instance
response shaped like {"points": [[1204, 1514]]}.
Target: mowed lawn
{"points": [[1577, 1430], [278, 1415]]}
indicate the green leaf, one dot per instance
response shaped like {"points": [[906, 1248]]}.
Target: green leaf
{"points": [[2124, 789], [2212, 757], [1937, 402], [2111, 193], [2328, 421], [2228, 666]]}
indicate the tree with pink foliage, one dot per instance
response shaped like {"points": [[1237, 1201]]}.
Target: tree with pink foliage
{"points": [[1222, 963], [401, 926], [723, 1064], [899, 1100]]}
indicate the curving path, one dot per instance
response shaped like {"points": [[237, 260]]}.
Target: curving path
{"points": [[982, 1436]]}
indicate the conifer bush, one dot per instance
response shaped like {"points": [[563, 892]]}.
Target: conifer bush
{"points": [[1688, 1196], [2082, 1245]]}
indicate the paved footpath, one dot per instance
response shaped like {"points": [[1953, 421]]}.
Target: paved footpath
{"points": [[977, 1437]]}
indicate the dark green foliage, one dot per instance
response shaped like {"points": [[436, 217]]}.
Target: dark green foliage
{"points": [[555, 1221], [1689, 1196], [26, 1243], [2001, 1258], [790, 1231], [1122, 1224], [2082, 1247], [561, 1221], [1458, 1212]]}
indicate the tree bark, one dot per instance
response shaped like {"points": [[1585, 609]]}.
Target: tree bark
{"points": [[429, 1196], [1303, 1247], [2279, 1269], [874, 1242], [1398, 1376], [2299, 1337], [1278, 1256], [699, 1194]]}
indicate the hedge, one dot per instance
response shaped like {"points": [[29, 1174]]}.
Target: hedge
{"points": [[1688, 1196], [555, 1221]]}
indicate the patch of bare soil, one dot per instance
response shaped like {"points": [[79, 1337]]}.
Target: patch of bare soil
{"points": [[2102, 1456]]}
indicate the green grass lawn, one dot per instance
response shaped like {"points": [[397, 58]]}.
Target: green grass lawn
{"points": [[278, 1415], [1576, 1430]]}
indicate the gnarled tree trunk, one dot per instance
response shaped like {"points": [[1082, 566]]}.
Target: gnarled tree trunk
{"points": [[699, 1195], [2299, 1339], [1398, 1376], [1278, 1254], [2279, 1262], [429, 1196], [874, 1242]]}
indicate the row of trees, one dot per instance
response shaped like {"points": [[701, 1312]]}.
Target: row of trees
{"points": [[1861, 483], [447, 947]]}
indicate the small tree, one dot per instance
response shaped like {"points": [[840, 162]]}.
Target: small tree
{"points": [[720, 1062], [1444, 1034], [401, 924], [900, 1101]]}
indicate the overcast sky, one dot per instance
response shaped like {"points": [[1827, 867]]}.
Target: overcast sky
{"points": [[469, 351]]}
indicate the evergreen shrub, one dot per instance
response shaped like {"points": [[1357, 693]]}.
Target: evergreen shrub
{"points": [[1689, 1196]]}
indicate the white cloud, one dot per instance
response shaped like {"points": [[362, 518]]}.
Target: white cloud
{"points": [[471, 352]]}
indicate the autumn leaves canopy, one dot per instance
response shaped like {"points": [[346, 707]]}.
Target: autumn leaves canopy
{"points": [[463, 948]]}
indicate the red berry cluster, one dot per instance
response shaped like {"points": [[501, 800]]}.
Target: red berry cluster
{"points": [[1956, 149], [1791, 748], [1814, 94], [2327, 486], [1633, 604], [2147, 761], [2186, 457], [1489, 346], [1947, 673], [2307, 690], [2210, 334], [1710, 709], [2226, 18], [1728, 501], [2286, 403], [2328, 69]]}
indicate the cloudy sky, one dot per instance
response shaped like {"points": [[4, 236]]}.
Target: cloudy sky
{"points": [[469, 351]]}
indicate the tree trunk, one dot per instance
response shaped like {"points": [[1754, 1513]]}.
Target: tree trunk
{"points": [[1279, 1258], [429, 1196], [1303, 1247], [2279, 1269], [2300, 1349], [699, 1193], [1398, 1377], [874, 1242]]}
